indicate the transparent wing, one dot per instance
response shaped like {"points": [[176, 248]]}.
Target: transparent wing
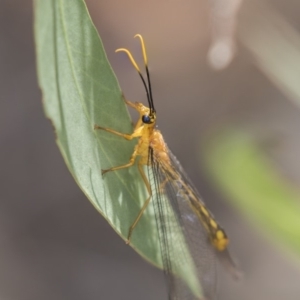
{"points": [[188, 257]]}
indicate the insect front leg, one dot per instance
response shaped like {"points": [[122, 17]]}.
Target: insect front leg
{"points": [[136, 133], [129, 103], [124, 135]]}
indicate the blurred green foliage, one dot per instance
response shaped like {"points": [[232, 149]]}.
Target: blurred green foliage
{"points": [[249, 180]]}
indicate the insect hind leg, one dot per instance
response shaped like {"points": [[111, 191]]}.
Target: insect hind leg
{"points": [[145, 205]]}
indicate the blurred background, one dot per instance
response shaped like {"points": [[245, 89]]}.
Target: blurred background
{"points": [[216, 66]]}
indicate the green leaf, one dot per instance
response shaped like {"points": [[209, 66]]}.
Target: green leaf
{"points": [[254, 185], [80, 90]]}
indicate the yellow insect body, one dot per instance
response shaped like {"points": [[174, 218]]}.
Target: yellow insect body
{"points": [[192, 215]]}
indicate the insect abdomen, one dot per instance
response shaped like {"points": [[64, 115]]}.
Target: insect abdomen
{"points": [[218, 236]]}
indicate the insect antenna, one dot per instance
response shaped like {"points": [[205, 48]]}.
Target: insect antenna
{"points": [[151, 105], [133, 62]]}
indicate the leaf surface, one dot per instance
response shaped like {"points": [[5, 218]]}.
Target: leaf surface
{"points": [[80, 90]]}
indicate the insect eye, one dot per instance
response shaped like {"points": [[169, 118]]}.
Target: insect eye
{"points": [[146, 119]]}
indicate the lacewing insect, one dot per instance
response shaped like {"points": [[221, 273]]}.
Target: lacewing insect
{"points": [[190, 238]]}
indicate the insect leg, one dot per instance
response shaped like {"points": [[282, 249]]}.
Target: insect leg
{"points": [[129, 103], [129, 164], [163, 184], [124, 135], [132, 105], [145, 204]]}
